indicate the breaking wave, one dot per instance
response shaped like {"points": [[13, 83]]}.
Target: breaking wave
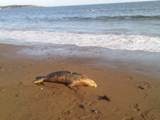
{"points": [[126, 17], [97, 18], [111, 41]]}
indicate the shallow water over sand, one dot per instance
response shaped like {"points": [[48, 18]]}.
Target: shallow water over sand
{"points": [[138, 61]]}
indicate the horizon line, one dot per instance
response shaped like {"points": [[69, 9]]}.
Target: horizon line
{"points": [[77, 4]]}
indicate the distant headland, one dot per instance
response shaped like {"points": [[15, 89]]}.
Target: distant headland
{"points": [[18, 6]]}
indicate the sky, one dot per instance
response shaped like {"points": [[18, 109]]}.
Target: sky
{"points": [[60, 2]]}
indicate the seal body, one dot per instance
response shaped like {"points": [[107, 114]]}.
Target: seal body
{"points": [[67, 78]]}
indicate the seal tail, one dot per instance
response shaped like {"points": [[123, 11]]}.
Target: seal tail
{"points": [[39, 80]]}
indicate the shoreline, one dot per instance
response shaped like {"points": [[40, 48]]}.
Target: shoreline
{"points": [[139, 62], [133, 95]]}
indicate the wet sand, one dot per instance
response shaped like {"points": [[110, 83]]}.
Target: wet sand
{"points": [[133, 96]]}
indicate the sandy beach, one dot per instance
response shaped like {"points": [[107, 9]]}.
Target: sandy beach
{"points": [[133, 96], [116, 44]]}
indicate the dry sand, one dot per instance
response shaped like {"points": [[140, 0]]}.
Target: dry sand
{"points": [[132, 96]]}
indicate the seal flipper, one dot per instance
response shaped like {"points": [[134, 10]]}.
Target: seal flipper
{"points": [[40, 80], [72, 87]]}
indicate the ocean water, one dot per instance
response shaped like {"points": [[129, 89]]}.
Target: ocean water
{"points": [[123, 26]]}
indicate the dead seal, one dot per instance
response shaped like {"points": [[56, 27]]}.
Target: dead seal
{"points": [[67, 78]]}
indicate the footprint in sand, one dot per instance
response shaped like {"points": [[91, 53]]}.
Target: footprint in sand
{"points": [[144, 85], [2, 69], [143, 114], [128, 118], [2, 89], [136, 108]]}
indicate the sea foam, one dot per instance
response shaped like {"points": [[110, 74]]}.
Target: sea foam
{"points": [[111, 41]]}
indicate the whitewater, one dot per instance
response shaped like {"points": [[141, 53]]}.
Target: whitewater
{"points": [[111, 41]]}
